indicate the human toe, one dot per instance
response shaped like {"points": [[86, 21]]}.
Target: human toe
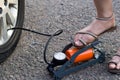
{"points": [[112, 66], [78, 43]]}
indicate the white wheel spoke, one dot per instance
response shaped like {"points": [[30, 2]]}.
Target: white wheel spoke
{"points": [[4, 34], [12, 1], [10, 18], [1, 23]]}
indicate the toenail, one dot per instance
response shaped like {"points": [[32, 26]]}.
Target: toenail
{"points": [[77, 43]]}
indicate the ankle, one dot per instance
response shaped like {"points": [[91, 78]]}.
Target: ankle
{"points": [[106, 18], [105, 14]]}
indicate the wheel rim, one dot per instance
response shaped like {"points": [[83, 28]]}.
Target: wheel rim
{"points": [[8, 19]]}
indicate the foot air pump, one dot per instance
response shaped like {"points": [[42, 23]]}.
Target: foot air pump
{"points": [[72, 59]]}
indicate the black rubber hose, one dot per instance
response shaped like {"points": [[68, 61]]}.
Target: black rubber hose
{"points": [[47, 43]]}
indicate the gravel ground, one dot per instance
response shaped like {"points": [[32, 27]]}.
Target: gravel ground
{"points": [[26, 63]]}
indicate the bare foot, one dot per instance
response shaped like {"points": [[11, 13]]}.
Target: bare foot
{"points": [[96, 27], [114, 64]]}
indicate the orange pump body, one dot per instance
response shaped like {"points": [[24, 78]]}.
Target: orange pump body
{"points": [[86, 55]]}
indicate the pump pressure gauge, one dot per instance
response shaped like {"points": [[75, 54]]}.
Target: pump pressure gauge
{"points": [[59, 58]]}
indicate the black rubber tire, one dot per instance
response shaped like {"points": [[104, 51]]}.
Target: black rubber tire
{"points": [[10, 45]]}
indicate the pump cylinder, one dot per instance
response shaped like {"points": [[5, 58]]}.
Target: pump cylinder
{"points": [[84, 56]]}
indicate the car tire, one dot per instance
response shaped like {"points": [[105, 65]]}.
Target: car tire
{"points": [[8, 47]]}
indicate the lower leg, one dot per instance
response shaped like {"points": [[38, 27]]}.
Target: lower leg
{"points": [[104, 8], [104, 11]]}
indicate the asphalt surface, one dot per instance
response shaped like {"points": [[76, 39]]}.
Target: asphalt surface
{"points": [[26, 62]]}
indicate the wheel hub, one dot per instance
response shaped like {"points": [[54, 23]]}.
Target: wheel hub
{"points": [[8, 17]]}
